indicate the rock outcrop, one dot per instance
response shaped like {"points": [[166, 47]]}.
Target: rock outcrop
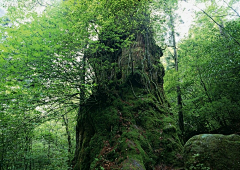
{"points": [[212, 152]]}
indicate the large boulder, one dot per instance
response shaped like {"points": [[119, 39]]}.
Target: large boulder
{"points": [[213, 152]]}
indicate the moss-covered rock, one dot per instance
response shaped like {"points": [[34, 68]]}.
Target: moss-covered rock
{"points": [[212, 151]]}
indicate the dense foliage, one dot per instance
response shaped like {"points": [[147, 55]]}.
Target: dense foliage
{"points": [[45, 76], [40, 84], [47, 70], [209, 74]]}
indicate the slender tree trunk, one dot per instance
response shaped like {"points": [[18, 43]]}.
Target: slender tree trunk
{"points": [[65, 120], [179, 96], [227, 33], [3, 149], [204, 86]]}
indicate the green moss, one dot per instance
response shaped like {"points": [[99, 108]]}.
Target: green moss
{"points": [[131, 132], [212, 151]]}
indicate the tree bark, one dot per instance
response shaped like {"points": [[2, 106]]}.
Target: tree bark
{"points": [[125, 124]]}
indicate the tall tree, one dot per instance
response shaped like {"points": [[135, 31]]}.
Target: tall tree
{"points": [[99, 57], [169, 10], [207, 73], [127, 111]]}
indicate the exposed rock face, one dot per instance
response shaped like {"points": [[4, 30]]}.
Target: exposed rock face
{"points": [[213, 152]]}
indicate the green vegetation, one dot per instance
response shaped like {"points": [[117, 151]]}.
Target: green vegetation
{"points": [[81, 83], [127, 133], [209, 74]]}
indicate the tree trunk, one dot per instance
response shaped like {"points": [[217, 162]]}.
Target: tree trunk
{"points": [[125, 124], [65, 120], [178, 89]]}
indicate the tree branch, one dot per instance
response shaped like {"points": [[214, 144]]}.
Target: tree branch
{"points": [[219, 25], [232, 8]]}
